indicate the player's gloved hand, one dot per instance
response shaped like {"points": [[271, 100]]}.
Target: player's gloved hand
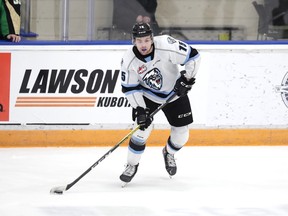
{"points": [[182, 85], [142, 117]]}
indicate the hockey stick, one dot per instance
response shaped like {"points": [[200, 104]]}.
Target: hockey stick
{"points": [[61, 189]]}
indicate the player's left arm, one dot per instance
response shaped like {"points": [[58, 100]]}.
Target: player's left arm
{"points": [[188, 57], [185, 55], [192, 64]]}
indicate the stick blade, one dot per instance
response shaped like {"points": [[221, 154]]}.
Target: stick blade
{"points": [[58, 190]]}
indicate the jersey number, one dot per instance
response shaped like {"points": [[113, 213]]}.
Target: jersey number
{"points": [[182, 46], [123, 76]]}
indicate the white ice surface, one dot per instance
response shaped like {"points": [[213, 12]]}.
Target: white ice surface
{"points": [[211, 181]]}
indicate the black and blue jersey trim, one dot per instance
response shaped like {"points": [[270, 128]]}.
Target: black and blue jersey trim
{"points": [[132, 89], [126, 89], [162, 95], [192, 55]]}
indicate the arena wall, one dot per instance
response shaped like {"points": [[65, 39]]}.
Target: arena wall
{"points": [[46, 16]]}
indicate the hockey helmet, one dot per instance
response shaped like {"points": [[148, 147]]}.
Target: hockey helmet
{"points": [[141, 30]]}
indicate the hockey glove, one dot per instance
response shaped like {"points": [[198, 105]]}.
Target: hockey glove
{"points": [[143, 119], [182, 85]]}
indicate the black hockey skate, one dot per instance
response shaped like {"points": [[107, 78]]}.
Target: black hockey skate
{"points": [[129, 173], [170, 163]]}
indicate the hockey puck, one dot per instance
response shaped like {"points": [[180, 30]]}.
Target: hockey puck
{"points": [[57, 190]]}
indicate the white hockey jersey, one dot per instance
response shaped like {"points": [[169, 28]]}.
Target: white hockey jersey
{"points": [[155, 78]]}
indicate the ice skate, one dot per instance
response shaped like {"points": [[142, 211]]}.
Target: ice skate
{"points": [[128, 174], [170, 163]]}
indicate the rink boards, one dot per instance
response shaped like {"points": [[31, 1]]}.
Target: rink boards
{"points": [[88, 138], [240, 96]]}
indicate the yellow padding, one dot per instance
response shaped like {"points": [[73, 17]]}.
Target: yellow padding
{"points": [[198, 137]]}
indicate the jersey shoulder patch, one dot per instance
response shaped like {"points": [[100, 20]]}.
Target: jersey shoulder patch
{"points": [[165, 42]]}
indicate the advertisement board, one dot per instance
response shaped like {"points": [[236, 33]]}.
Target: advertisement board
{"points": [[236, 86], [5, 63]]}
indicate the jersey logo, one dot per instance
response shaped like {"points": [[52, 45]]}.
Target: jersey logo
{"points": [[171, 40], [153, 79], [283, 89], [142, 69]]}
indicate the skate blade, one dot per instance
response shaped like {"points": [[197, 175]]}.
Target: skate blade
{"points": [[123, 185]]}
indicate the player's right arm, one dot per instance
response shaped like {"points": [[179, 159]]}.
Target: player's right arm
{"points": [[131, 86]]}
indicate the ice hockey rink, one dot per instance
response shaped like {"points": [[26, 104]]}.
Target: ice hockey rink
{"points": [[211, 181]]}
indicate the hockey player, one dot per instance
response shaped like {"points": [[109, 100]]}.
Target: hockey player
{"points": [[149, 76]]}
